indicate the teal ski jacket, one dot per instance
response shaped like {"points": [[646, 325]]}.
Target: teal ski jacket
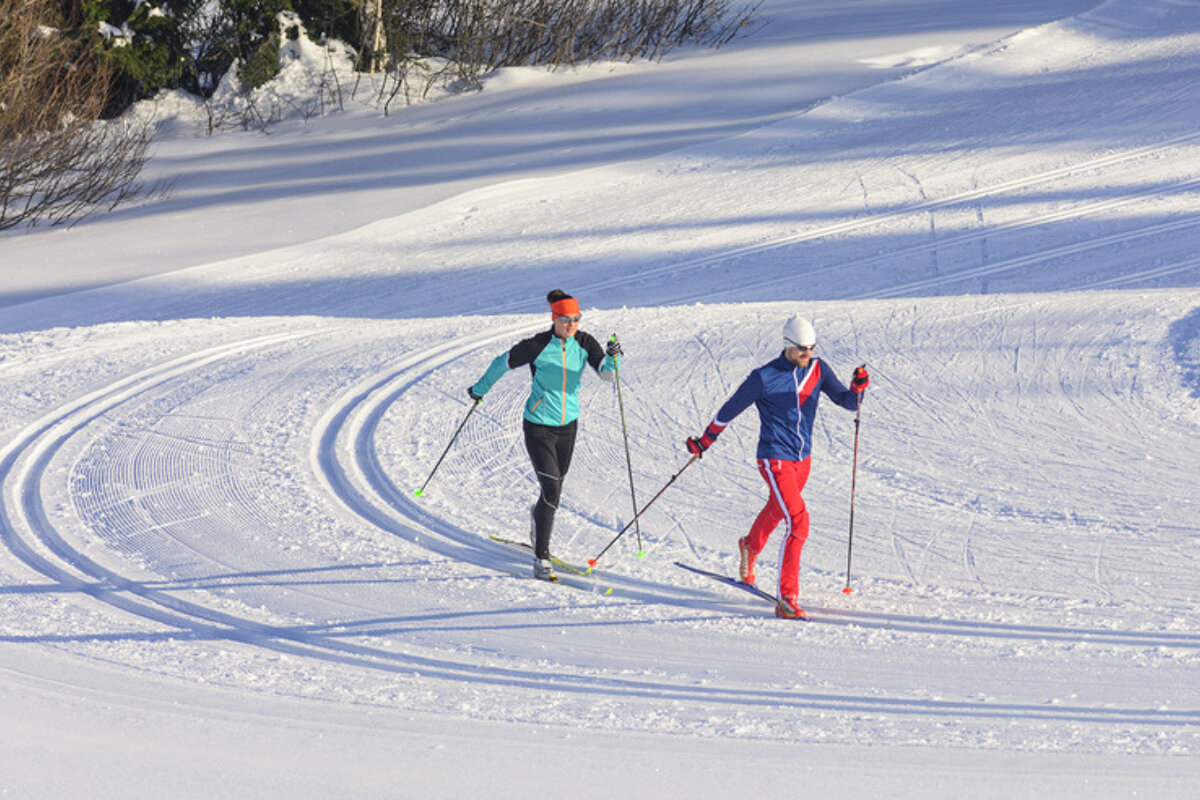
{"points": [[556, 366]]}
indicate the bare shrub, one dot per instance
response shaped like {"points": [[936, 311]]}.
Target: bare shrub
{"points": [[58, 161], [429, 41], [481, 35]]}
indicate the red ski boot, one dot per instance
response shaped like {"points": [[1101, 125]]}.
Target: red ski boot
{"points": [[746, 563], [789, 608]]}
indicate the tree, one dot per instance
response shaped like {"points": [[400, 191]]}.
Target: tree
{"points": [[58, 160], [371, 36]]}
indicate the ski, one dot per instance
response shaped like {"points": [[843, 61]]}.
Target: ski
{"points": [[562, 579], [558, 562], [716, 576]]}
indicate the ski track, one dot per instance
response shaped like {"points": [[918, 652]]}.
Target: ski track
{"points": [[345, 456], [284, 528], [967, 278]]}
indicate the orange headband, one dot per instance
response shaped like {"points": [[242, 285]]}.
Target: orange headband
{"points": [[567, 307]]}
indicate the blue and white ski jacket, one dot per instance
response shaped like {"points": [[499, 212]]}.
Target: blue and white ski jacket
{"points": [[786, 396], [557, 367]]}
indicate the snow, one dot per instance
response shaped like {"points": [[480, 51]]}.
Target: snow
{"points": [[217, 405]]}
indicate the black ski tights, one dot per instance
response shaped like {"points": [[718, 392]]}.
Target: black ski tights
{"points": [[550, 450]]}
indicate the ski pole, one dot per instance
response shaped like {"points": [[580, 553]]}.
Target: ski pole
{"points": [[470, 411], [592, 561], [853, 488], [641, 553]]}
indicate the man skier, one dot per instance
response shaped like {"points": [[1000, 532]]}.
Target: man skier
{"points": [[785, 391]]}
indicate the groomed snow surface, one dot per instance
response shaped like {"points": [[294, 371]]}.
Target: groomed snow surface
{"points": [[216, 580]]}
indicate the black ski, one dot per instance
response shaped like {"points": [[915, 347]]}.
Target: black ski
{"points": [[716, 576]]}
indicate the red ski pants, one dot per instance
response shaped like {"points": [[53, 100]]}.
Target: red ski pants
{"points": [[786, 480]]}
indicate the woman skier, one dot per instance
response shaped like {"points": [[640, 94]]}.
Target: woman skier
{"points": [[556, 359]]}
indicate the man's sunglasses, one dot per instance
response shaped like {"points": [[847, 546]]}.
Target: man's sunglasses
{"points": [[570, 320]]}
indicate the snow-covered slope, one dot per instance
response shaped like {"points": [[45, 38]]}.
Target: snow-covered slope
{"points": [[217, 578]]}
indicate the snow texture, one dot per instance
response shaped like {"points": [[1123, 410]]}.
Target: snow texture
{"points": [[215, 576]]}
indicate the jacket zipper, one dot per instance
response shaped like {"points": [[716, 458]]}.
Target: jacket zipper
{"points": [[798, 384], [564, 383]]}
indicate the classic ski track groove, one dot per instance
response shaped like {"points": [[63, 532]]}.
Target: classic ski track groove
{"points": [[928, 207], [27, 532], [987, 270]]}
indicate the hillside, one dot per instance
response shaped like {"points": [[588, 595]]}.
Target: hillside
{"points": [[217, 577]]}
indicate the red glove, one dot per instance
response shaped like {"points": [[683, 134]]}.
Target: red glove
{"points": [[698, 444], [862, 379]]}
